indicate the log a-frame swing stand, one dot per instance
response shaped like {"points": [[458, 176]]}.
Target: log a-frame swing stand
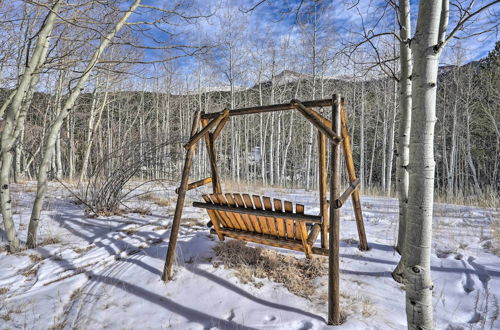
{"points": [[253, 218]]}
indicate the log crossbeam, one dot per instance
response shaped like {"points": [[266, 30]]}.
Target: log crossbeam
{"points": [[196, 184], [269, 108], [347, 193], [206, 129], [307, 113]]}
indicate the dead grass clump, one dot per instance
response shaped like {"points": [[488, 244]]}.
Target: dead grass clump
{"points": [[50, 240], [249, 263], [104, 213], [81, 250], [192, 222], [162, 227], [158, 200], [141, 210], [35, 257], [4, 290], [30, 272]]}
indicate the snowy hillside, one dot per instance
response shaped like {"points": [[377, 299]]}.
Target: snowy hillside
{"points": [[105, 272]]}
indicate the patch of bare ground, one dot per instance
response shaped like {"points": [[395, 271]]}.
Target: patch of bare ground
{"points": [[158, 200], [250, 263]]}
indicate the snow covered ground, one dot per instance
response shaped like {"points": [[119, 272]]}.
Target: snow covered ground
{"points": [[105, 272]]}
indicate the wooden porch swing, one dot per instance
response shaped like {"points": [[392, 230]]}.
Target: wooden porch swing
{"points": [[263, 220]]}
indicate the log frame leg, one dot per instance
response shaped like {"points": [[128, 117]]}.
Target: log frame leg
{"points": [[334, 230], [174, 233], [323, 189], [356, 202]]}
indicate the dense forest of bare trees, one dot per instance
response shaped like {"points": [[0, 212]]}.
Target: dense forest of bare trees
{"points": [[104, 120]]}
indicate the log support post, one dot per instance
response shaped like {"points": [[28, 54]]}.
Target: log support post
{"points": [[334, 230], [209, 142], [323, 204], [356, 203], [174, 233]]}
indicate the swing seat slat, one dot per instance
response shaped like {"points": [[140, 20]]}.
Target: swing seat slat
{"points": [[263, 220]]}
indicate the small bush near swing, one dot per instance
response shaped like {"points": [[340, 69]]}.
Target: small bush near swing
{"points": [[249, 263]]}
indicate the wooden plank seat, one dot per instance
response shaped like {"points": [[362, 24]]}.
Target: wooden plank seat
{"points": [[263, 220]]}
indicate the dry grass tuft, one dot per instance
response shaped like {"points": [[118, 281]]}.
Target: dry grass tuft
{"points": [[486, 198], [158, 200], [162, 227], [35, 257], [50, 240], [192, 222], [141, 210], [4, 290], [81, 250], [249, 263], [76, 294], [105, 213], [30, 272]]}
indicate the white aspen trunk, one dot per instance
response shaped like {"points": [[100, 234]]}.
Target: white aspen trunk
{"points": [[11, 117], [390, 151], [58, 158], [287, 147], [70, 124], [453, 152], [271, 151], [56, 126], [417, 250], [90, 130], [470, 162], [362, 138], [384, 140], [405, 106], [374, 148]]}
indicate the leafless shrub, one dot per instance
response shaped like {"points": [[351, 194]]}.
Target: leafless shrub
{"points": [[249, 263], [104, 191]]}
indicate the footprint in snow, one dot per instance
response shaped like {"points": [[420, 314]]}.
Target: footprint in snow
{"points": [[231, 315], [305, 325]]}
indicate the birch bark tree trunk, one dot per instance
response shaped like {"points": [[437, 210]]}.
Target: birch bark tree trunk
{"points": [[405, 105], [56, 126], [36, 61], [431, 26]]}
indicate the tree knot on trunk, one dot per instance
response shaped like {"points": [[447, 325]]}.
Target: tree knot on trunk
{"points": [[437, 47]]}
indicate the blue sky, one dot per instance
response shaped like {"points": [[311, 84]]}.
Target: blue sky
{"points": [[340, 23]]}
